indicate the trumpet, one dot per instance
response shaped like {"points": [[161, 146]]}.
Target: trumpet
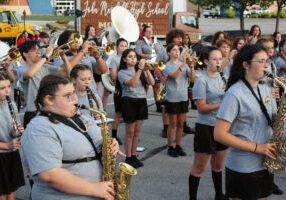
{"points": [[161, 65], [109, 49], [192, 59], [13, 54], [77, 39]]}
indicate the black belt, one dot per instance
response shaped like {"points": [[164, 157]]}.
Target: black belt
{"points": [[87, 159]]}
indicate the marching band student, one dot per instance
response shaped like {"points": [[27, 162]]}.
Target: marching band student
{"points": [[187, 41], [32, 71], [238, 44], [148, 48], [90, 35], [219, 35], [132, 81], [173, 36], [253, 35], [121, 46], [82, 76], [244, 124], [11, 172], [208, 92], [62, 149], [277, 39], [79, 56], [227, 56], [176, 101], [280, 61], [44, 40], [268, 44]]}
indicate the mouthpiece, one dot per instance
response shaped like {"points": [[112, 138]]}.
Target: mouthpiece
{"points": [[218, 68], [80, 106]]}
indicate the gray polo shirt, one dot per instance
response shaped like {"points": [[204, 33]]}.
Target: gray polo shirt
{"points": [[148, 48], [6, 124], [30, 86], [177, 89], [83, 100], [226, 70], [46, 144], [241, 109], [86, 60], [279, 62], [137, 91], [212, 90], [114, 62]]}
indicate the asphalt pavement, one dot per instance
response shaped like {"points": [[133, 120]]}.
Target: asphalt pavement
{"points": [[164, 177]]}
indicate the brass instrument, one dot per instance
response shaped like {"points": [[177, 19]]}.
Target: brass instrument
{"points": [[109, 49], [17, 132], [162, 94], [192, 59], [122, 181], [13, 54], [161, 65], [66, 47], [278, 136]]}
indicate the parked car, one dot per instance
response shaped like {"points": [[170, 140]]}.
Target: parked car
{"points": [[246, 13], [260, 10], [211, 12]]}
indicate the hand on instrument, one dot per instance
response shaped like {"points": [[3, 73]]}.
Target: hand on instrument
{"points": [[275, 92], [50, 50], [141, 64], [114, 146], [148, 57], [20, 128], [268, 149], [15, 143], [104, 190], [94, 53], [85, 46]]}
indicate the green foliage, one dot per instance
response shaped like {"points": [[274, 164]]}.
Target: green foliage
{"points": [[274, 15], [254, 16], [265, 15], [229, 14], [282, 14]]}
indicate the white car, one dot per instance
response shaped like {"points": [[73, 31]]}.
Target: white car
{"points": [[246, 13]]}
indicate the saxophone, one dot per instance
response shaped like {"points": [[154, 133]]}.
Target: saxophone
{"points": [[122, 180], [278, 137]]}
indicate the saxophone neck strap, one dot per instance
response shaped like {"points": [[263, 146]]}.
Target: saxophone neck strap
{"points": [[79, 126], [259, 100]]}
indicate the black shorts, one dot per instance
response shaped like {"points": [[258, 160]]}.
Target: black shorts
{"points": [[117, 102], [204, 140], [176, 107], [248, 186], [97, 77], [134, 109], [11, 172]]}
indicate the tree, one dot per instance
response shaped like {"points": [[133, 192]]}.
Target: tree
{"points": [[240, 6], [280, 5], [4, 1]]}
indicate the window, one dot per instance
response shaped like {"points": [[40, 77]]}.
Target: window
{"points": [[189, 20], [18, 17]]}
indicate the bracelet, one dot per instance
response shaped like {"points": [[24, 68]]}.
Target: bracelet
{"points": [[180, 69], [255, 148]]}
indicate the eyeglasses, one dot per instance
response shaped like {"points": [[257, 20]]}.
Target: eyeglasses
{"points": [[69, 97], [35, 50], [216, 59], [262, 61]]}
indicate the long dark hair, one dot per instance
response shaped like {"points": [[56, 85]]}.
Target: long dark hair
{"points": [[236, 41], [252, 30], [49, 85], [216, 36], [77, 68], [123, 65], [246, 54]]}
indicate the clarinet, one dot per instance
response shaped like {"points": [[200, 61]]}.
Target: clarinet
{"points": [[221, 74], [91, 97], [17, 132]]}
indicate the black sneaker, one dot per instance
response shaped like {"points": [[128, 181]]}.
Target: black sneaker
{"points": [[164, 133], [118, 140], [138, 162], [172, 152], [187, 129], [179, 151], [131, 162], [159, 109], [277, 190]]}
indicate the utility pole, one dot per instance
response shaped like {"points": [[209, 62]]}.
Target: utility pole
{"points": [[75, 18]]}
